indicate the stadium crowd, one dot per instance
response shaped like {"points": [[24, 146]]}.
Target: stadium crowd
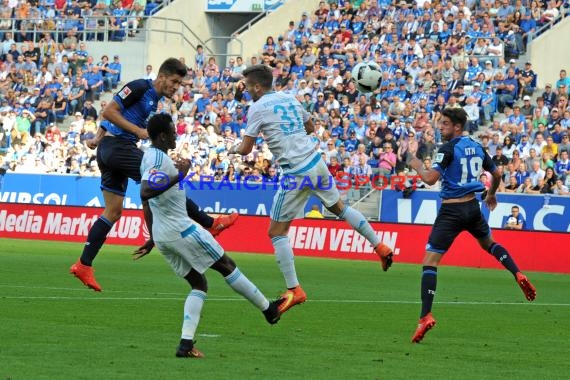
{"points": [[432, 55]]}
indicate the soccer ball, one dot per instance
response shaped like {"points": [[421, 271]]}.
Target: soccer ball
{"points": [[366, 76]]}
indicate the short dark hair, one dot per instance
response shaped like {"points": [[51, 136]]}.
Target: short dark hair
{"points": [[260, 74], [456, 115], [172, 66], [157, 124]]}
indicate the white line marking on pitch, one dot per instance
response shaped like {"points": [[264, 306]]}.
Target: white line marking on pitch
{"points": [[209, 335], [79, 289], [97, 298]]}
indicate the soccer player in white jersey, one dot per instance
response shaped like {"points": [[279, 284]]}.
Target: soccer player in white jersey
{"points": [[187, 247], [286, 127]]}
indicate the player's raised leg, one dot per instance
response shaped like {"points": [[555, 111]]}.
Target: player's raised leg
{"points": [[358, 222], [223, 264], [96, 237], [504, 257], [214, 225], [247, 289]]}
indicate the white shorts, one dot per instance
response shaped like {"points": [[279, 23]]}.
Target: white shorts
{"points": [[313, 178], [196, 249]]}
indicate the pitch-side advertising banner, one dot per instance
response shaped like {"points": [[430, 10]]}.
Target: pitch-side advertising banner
{"points": [[309, 237], [70, 190], [541, 212]]}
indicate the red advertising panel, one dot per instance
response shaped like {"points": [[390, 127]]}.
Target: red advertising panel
{"points": [[309, 237], [66, 223], [336, 239]]}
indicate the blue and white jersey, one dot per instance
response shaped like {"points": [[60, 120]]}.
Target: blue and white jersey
{"points": [[460, 162], [138, 101], [281, 119], [170, 217]]}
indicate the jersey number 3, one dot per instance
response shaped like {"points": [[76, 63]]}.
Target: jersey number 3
{"points": [[470, 169], [290, 120]]}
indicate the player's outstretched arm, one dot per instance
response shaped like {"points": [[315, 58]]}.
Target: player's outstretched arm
{"points": [[92, 143], [430, 176], [113, 113], [145, 249], [491, 199], [309, 126], [244, 148], [159, 182]]}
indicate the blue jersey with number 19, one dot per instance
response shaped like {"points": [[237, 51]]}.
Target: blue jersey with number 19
{"points": [[460, 162], [281, 119]]}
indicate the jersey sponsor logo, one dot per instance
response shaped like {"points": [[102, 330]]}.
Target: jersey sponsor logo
{"points": [[439, 157], [124, 92]]}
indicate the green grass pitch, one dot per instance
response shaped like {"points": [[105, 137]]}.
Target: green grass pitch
{"points": [[356, 324]]}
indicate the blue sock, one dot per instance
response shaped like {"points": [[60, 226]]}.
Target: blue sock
{"points": [[429, 283], [501, 254], [95, 240]]}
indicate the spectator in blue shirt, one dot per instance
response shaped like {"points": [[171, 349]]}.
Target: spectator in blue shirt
{"points": [[351, 143], [114, 71], [94, 83], [563, 81], [507, 90], [515, 221]]}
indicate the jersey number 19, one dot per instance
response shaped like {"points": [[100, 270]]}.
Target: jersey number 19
{"points": [[470, 169]]}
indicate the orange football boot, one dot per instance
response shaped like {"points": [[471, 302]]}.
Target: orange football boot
{"points": [[85, 274], [291, 298], [223, 222], [424, 325]]}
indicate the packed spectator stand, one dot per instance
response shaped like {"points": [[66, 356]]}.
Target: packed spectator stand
{"points": [[432, 55]]}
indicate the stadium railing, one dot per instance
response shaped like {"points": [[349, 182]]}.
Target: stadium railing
{"points": [[564, 12], [103, 29]]}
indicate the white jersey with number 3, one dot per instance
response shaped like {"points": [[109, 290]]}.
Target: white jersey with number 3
{"points": [[281, 119]]}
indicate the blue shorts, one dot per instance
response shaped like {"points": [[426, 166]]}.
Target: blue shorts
{"points": [[118, 160], [454, 218]]}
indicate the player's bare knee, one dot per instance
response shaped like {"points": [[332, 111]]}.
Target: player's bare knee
{"points": [[197, 281], [337, 208], [225, 265], [112, 214], [432, 259], [486, 243], [273, 232], [278, 229]]}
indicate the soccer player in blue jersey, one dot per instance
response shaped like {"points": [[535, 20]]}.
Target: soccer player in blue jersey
{"points": [[119, 159], [459, 163]]}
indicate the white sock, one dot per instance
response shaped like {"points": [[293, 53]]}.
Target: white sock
{"points": [[360, 224], [285, 260], [192, 310], [241, 284]]}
